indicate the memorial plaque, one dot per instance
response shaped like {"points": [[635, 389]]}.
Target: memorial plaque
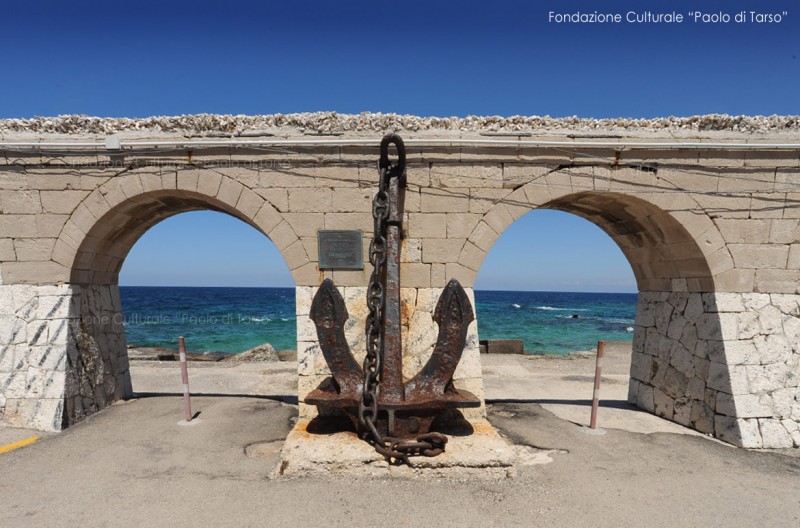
{"points": [[340, 250]]}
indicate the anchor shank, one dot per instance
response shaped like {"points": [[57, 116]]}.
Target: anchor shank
{"points": [[392, 365]]}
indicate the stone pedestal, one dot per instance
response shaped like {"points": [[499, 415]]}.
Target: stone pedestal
{"points": [[481, 454]]}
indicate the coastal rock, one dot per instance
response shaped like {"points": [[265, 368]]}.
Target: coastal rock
{"points": [[287, 355], [165, 354], [265, 352]]}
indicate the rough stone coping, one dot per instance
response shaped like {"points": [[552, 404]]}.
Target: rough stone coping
{"points": [[483, 454], [333, 123]]}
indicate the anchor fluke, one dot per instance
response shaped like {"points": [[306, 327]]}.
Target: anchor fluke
{"points": [[453, 314], [329, 314]]}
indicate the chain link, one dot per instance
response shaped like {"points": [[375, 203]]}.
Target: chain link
{"points": [[395, 450]]}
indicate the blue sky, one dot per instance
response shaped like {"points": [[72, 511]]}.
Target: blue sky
{"points": [[427, 58]]}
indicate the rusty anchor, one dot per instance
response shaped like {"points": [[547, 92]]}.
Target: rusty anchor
{"points": [[392, 414]]}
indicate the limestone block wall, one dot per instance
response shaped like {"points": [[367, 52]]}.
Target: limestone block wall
{"points": [[726, 364], [34, 329], [62, 353], [97, 359], [419, 337]]}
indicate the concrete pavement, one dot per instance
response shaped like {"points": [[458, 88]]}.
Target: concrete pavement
{"points": [[133, 465]]}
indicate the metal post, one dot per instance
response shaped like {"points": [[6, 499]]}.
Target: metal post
{"points": [[596, 397], [187, 406]]}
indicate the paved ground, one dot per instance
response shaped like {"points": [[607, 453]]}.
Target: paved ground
{"points": [[133, 465]]}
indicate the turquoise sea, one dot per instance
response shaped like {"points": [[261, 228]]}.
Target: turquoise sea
{"points": [[231, 320]]}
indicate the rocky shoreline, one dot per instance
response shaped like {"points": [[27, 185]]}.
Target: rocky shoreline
{"points": [[265, 352]]}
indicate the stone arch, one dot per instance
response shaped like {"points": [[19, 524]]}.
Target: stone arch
{"points": [[103, 228], [679, 369], [93, 245], [676, 251]]}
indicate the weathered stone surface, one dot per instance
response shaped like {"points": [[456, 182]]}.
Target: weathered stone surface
{"points": [[774, 435], [265, 352], [697, 376], [483, 454]]}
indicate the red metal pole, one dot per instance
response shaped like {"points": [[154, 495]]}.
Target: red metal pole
{"points": [[187, 406], [596, 397]]}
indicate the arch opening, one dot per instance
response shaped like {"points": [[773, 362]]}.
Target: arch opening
{"points": [[97, 364], [662, 253], [103, 250], [677, 354]]}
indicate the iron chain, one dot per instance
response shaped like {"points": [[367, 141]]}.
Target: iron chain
{"points": [[395, 450]]}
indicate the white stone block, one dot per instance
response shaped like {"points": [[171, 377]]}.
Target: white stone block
{"points": [[676, 327], [708, 326], [765, 378], [633, 390], [755, 301], [46, 414], [470, 365], [644, 399], [678, 299], [743, 405], [640, 367], [645, 314], [740, 432], [638, 344], [54, 385], [8, 324], [787, 303], [689, 338], [774, 435], [731, 379], [306, 329], [15, 384], [696, 389], [748, 326], [783, 401], [303, 296], [648, 297], [770, 320], [723, 302], [682, 412], [24, 296], [773, 348], [683, 360], [791, 426], [791, 328], [53, 307], [694, 307], [7, 358], [663, 315], [46, 357], [310, 361], [714, 350], [7, 306], [741, 353], [652, 340], [664, 405]]}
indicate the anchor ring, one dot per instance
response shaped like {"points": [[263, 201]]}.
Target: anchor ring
{"points": [[397, 141]]}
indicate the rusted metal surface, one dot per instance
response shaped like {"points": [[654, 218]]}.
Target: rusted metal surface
{"points": [[329, 315], [395, 416]]}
